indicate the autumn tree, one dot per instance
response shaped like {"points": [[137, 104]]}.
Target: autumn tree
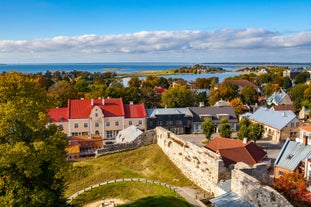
{"points": [[60, 92], [178, 96], [249, 95], [208, 128], [293, 186], [225, 128], [297, 93], [32, 153], [237, 105], [287, 83]]}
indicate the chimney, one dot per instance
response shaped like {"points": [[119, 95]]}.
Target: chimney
{"points": [[103, 101], [305, 140], [245, 140], [283, 114], [92, 102], [131, 102], [201, 104]]}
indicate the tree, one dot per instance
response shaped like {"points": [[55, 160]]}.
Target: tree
{"points": [[225, 128], [249, 95], [297, 93], [287, 83], [237, 105], [60, 92], [255, 131], [32, 166], [302, 77], [244, 130], [228, 91], [178, 96], [134, 82], [208, 128], [293, 186]]}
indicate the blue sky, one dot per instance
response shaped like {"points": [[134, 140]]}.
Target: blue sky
{"points": [[35, 31]]}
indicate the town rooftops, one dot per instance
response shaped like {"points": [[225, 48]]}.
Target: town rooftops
{"points": [[233, 151], [276, 97], [275, 119], [291, 154], [152, 113], [214, 112], [241, 83], [284, 108], [135, 111], [58, 114], [128, 135]]}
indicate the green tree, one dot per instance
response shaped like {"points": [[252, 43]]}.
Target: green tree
{"points": [[244, 128], [134, 82], [249, 95], [60, 92], [228, 92], [255, 131], [302, 77], [208, 128], [287, 83], [225, 128], [297, 93], [32, 153], [178, 96]]}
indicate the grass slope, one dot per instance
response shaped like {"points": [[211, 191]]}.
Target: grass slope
{"points": [[146, 162], [137, 194]]}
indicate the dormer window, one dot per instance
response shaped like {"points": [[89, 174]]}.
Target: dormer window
{"points": [[96, 114]]}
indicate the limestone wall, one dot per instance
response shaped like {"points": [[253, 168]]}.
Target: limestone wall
{"points": [[253, 190], [205, 168], [144, 139]]}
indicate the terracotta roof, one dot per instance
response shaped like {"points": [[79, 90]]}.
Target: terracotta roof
{"points": [[73, 147], [306, 128], [135, 111], [284, 108], [241, 83], [82, 108], [233, 151], [85, 141], [58, 114]]}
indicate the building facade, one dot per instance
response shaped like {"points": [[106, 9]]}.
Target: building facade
{"points": [[103, 117]]}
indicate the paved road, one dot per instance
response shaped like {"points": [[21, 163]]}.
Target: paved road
{"points": [[187, 193]]}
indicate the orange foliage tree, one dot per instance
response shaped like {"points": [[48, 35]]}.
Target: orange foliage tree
{"points": [[293, 186]]}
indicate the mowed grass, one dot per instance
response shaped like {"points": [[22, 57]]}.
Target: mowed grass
{"points": [[146, 162], [133, 193]]}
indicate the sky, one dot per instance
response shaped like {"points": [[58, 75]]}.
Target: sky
{"points": [[197, 31]]}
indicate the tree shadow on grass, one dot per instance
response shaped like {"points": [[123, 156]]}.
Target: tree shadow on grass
{"points": [[158, 201]]}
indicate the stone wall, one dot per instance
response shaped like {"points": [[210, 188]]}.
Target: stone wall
{"points": [[251, 189], [204, 167], [144, 139]]}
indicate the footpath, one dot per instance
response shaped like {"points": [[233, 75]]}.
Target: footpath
{"points": [[189, 194]]}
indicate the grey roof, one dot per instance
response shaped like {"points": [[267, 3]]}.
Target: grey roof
{"points": [[276, 97], [128, 135], [168, 111], [230, 199], [213, 111], [291, 154], [275, 119]]}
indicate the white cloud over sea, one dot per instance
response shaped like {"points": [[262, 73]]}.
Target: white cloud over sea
{"points": [[221, 45]]}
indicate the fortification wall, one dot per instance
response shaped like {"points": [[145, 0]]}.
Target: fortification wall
{"points": [[204, 167], [144, 139], [253, 190]]}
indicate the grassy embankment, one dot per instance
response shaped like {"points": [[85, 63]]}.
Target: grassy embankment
{"points": [[146, 162]]}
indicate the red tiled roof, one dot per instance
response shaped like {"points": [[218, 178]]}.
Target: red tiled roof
{"points": [[284, 108], [233, 151], [306, 128], [135, 111], [160, 89], [82, 108], [241, 83], [84, 141], [58, 113]]}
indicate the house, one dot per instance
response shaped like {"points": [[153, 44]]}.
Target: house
{"points": [[233, 151], [128, 135], [292, 73], [241, 84], [177, 120], [304, 113], [278, 125], [283, 108], [215, 113], [304, 135], [103, 117], [279, 98], [293, 156]]}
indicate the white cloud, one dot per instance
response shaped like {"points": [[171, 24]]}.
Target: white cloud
{"points": [[226, 42]]}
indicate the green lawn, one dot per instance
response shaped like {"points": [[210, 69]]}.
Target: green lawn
{"points": [[137, 194], [147, 162]]}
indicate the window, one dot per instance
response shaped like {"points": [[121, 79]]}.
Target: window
{"points": [[140, 122], [74, 134], [96, 114], [96, 124], [116, 123], [107, 123], [292, 124], [170, 123], [130, 123], [178, 122], [109, 134], [76, 125], [297, 124], [85, 133], [159, 123], [85, 125]]}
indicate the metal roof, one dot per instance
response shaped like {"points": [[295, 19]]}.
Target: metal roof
{"points": [[169, 111], [213, 111], [291, 154], [230, 199], [276, 97], [128, 135], [275, 119]]}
